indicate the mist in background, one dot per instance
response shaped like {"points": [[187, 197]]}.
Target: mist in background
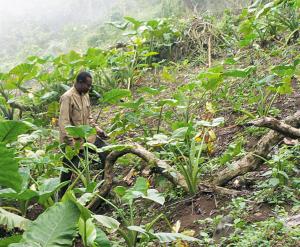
{"points": [[50, 27]]}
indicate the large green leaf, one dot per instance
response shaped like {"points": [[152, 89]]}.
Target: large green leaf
{"points": [[23, 195], [136, 23], [84, 212], [55, 227], [4, 242], [87, 230], [155, 196], [11, 220], [107, 222], [240, 73], [81, 131], [101, 239], [119, 25], [22, 72], [25, 245], [10, 130], [115, 95], [165, 237], [9, 175], [158, 140], [139, 190], [46, 190], [95, 58]]}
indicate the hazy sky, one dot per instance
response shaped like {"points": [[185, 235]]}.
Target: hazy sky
{"points": [[16, 11], [32, 26]]}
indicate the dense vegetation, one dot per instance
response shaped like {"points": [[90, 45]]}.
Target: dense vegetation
{"points": [[181, 93]]}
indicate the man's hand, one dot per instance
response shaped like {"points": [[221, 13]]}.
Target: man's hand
{"points": [[101, 133], [69, 141]]}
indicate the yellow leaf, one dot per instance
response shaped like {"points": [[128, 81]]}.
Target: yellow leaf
{"points": [[176, 226], [212, 135], [198, 138], [180, 243], [209, 107], [54, 121], [210, 147], [189, 233]]}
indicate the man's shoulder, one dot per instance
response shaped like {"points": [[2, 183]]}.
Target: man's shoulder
{"points": [[67, 94]]}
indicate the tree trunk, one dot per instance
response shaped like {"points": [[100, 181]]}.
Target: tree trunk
{"points": [[255, 158], [169, 172]]}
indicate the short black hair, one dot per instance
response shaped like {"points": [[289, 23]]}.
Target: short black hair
{"points": [[81, 77]]}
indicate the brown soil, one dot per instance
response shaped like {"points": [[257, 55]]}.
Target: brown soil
{"points": [[260, 213], [190, 210], [78, 243], [34, 211]]}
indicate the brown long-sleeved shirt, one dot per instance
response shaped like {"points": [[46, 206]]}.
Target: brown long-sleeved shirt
{"points": [[75, 109]]}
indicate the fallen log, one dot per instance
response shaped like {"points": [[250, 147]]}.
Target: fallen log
{"points": [[211, 188], [169, 172], [260, 152], [151, 160], [279, 126]]}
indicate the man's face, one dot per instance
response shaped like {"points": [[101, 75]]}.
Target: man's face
{"points": [[85, 86]]}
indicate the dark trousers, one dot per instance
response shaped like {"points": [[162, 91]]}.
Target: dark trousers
{"points": [[74, 162]]}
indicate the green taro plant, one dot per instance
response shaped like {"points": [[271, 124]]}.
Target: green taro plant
{"points": [[16, 183], [134, 226]]}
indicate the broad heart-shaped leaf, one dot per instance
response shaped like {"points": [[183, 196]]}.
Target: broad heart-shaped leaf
{"points": [[21, 196], [48, 188], [10, 130], [115, 95], [158, 140], [138, 229], [9, 175], [180, 133], [101, 239], [11, 221], [56, 227], [23, 72], [170, 102], [10, 240], [140, 185], [25, 245], [274, 182], [140, 188], [119, 25], [155, 196], [87, 230], [214, 123], [107, 222], [239, 73], [85, 214], [120, 191], [81, 131], [95, 58], [136, 23], [165, 237]]}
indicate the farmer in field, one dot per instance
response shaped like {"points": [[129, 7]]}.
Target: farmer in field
{"points": [[75, 109]]}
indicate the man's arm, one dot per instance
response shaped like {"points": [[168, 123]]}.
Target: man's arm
{"points": [[64, 119], [101, 133]]}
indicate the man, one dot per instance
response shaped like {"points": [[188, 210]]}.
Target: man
{"points": [[75, 109]]}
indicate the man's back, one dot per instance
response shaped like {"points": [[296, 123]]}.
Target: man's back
{"points": [[74, 110]]}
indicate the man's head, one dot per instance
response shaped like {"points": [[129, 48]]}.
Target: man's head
{"points": [[83, 82]]}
